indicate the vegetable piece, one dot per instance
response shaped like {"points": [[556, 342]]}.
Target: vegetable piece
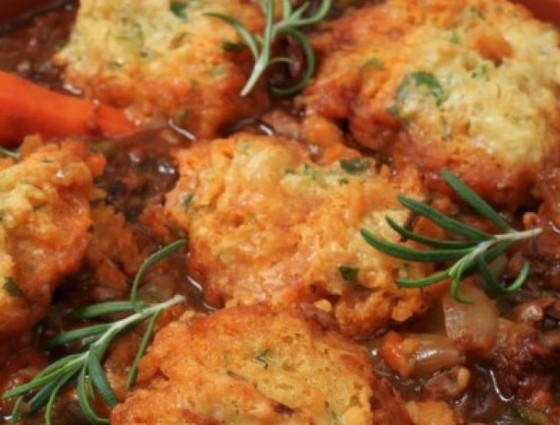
{"points": [[472, 254], [418, 355], [261, 45], [26, 108], [474, 327]]}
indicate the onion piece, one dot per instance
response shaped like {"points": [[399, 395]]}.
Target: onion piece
{"points": [[419, 355], [474, 327]]}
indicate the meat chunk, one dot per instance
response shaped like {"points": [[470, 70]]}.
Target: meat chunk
{"points": [[265, 223], [161, 58], [250, 365], [44, 222], [471, 85]]}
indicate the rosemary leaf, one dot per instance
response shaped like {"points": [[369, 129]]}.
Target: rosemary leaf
{"points": [[473, 200], [107, 308], [150, 262], [15, 415], [99, 380], [83, 400], [411, 254], [422, 282], [449, 224], [241, 29], [425, 240], [141, 350], [76, 334], [51, 402], [8, 153]]}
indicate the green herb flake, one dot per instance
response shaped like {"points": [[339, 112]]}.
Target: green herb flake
{"points": [[375, 63], [179, 9], [421, 79], [187, 201], [310, 172], [355, 165], [262, 358], [233, 47], [478, 13], [349, 274], [481, 71], [11, 287], [217, 71], [455, 37]]}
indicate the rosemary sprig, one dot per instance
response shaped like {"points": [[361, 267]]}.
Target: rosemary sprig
{"points": [[472, 254], [261, 45], [85, 368]]}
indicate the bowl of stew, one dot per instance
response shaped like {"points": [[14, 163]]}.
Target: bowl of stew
{"points": [[257, 212]]}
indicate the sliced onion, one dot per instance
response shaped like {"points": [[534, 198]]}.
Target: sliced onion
{"points": [[473, 327]]}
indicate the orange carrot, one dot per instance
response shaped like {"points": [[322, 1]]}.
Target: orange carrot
{"points": [[26, 108]]}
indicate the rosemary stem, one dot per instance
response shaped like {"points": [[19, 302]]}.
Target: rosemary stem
{"points": [[117, 327], [517, 236]]}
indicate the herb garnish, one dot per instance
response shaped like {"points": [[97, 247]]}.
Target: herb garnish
{"points": [[473, 254], [348, 274], [262, 358], [419, 79], [261, 45], [179, 9], [85, 367], [8, 153], [355, 165], [233, 47], [11, 287]]}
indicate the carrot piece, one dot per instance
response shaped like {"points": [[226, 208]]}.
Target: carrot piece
{"points": [[26, 108]]}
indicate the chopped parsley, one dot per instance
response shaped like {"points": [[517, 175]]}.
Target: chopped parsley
{"points": [[233, 47], [421, 79], [262, 358], [179, 9], [217, 71], [455, 37], [11, 287], [355, 165], [187, 201], [374, 62], [309, 171], [349, 274]]}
